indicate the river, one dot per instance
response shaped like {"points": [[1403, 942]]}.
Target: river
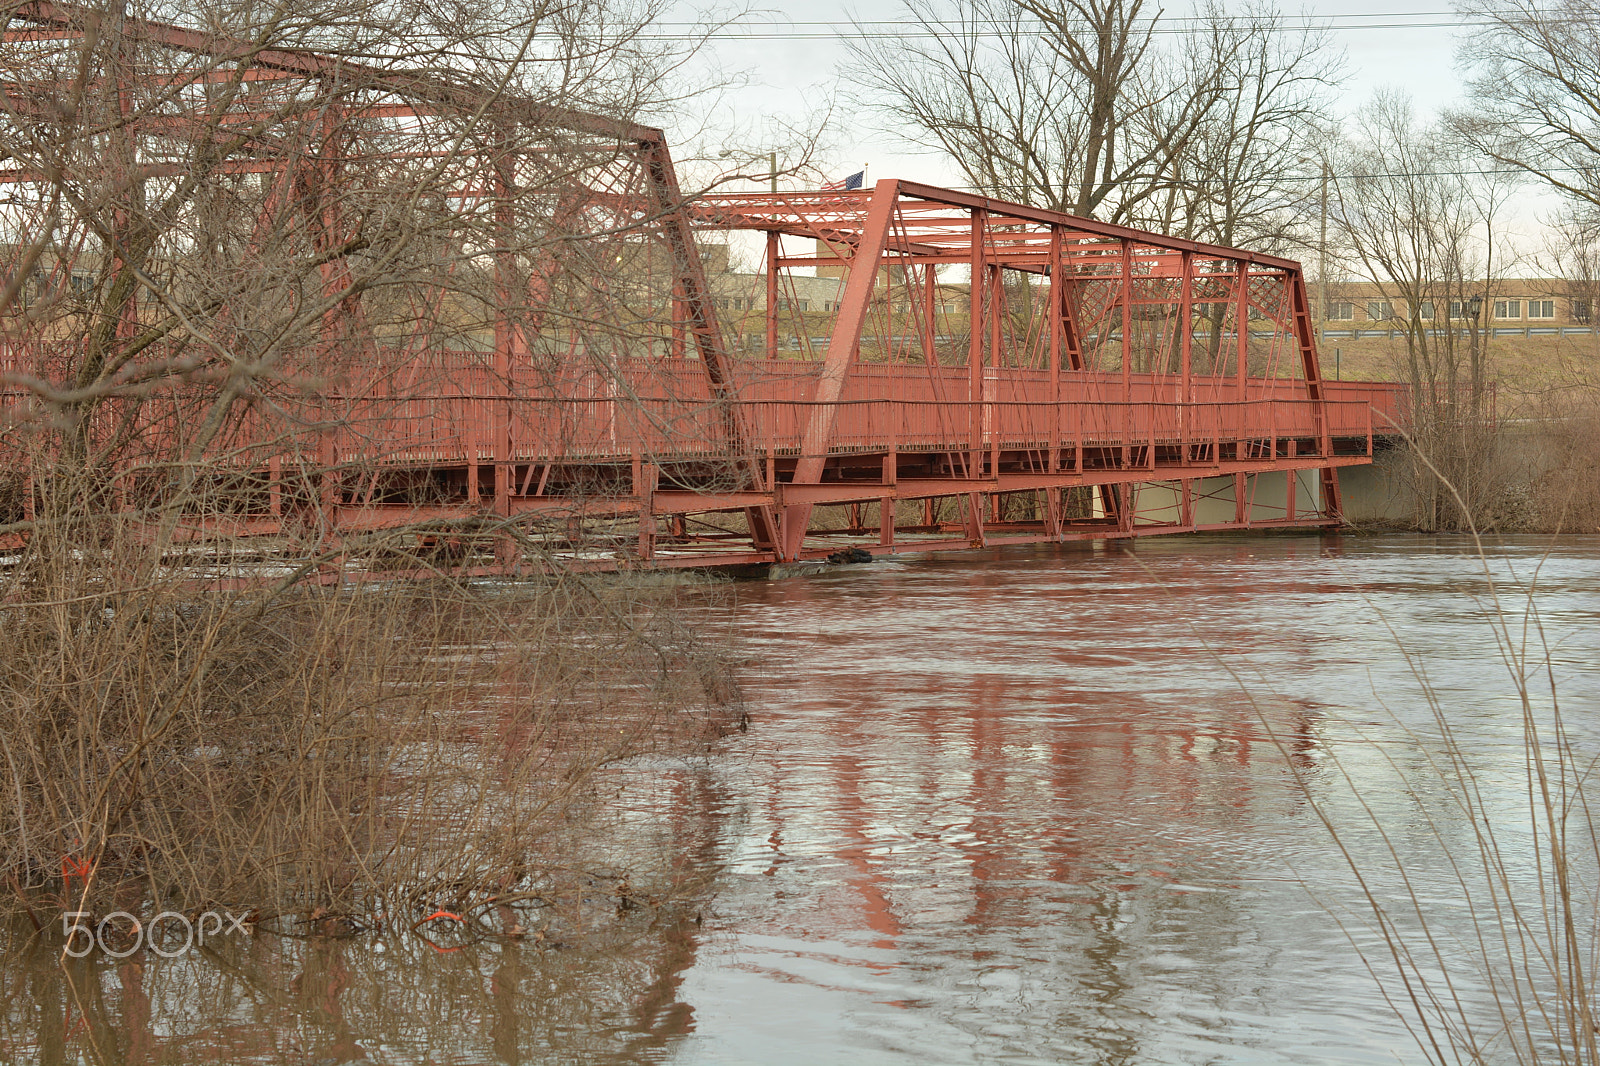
{"points": [[1022, 805]]}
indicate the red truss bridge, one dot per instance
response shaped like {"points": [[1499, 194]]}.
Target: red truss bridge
{"points": [[1089, 381], [989, 373]]}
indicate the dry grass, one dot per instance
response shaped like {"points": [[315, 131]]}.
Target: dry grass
{"points": [[330, 753], [1522, 365]]}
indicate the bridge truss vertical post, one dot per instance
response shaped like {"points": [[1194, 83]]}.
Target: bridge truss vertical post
{"points": [[1305, 339], [502, 453], [773, 248], [891, 474], [1186, 421], [1241, 359], [343, 324], [991, 377], [1057, 313], [975, 344], [1242, 334], [1057, 321], [1186, 354], [504, 271], [1127, 352]]}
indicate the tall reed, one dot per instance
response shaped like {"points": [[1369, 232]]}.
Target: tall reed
{"points": [[1482, 920]]}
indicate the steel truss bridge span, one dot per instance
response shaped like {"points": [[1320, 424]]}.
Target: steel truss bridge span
{"points": [[1077, 380], [553, 372], [1092, 381]]}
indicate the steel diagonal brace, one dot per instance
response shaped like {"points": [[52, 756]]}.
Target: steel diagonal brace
{"points": [[1305, 338], [842, 349], [704, 332]]}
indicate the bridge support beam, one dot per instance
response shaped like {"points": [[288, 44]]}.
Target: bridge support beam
{"points": [[842, 349]]}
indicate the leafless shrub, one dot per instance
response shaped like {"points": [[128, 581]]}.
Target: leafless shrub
{"points": [[336, 749], [1564, 436], [261, 265]]}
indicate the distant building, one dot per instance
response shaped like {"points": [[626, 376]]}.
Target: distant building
{"points": [[1514, 304]]}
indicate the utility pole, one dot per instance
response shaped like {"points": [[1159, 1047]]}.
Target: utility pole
{"points": [[1322, 265], [774, 160]]}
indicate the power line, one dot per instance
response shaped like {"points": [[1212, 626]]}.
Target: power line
{"points": [[1509, 171], [805, 30], [1512, 171], [1198, 20]]}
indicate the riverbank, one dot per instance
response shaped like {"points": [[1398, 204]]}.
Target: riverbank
{"points": [[1534, 476], [326, 762]]}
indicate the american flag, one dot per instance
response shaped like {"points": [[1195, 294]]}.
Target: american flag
{"points": [[845, 184]]}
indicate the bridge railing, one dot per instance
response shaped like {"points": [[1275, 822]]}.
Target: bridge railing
{"points": [[449, 429], [452, 407]]}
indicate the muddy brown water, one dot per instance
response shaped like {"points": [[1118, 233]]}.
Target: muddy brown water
{"points": [[1027, 805]]}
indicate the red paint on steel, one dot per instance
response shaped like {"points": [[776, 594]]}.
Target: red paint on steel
{"points": [[842, 348], [1099, 382]]}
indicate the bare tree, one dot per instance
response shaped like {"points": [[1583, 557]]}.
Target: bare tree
{"points": [[1080, 107], [1413, 222], [1535, 91], [1241, 179], [1534, 109], [1032, 101]]}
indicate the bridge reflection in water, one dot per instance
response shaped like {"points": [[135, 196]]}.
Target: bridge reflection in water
{"points": [[996, 806]]}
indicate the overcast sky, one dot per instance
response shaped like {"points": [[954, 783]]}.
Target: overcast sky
{"points": [[796, 57], [794, 54]]}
